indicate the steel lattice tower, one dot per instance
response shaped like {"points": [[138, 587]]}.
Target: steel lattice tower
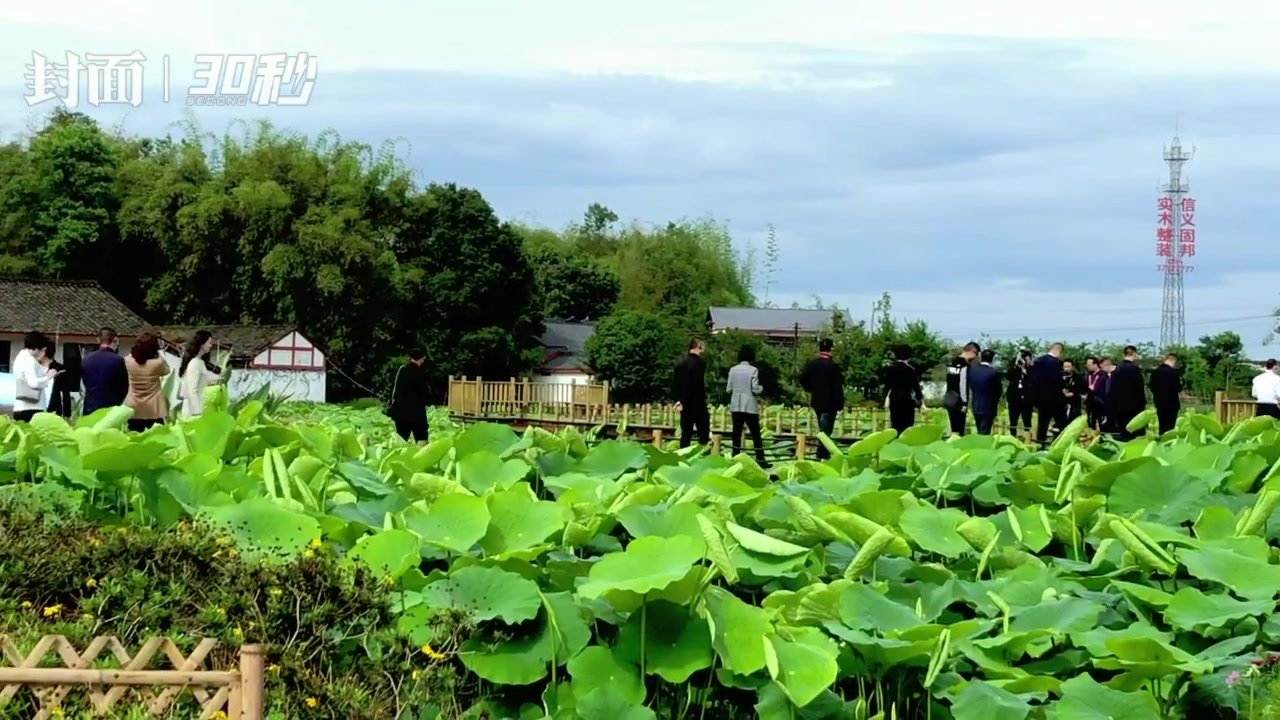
{"points": [[1173, 317]]}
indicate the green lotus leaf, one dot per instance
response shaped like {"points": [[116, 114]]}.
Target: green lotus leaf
{"points": [[984, 701], [1190, 608], [648, 563], [763, 544], [262, 527], [934, 530], [609, 703], [1249, 577], [524, 657], [676, 644], [493, 437], [802, 661], [520, 521], [737, 631], [482, 470], [485, 593], [599, 667], [454, 522], [389, 553], [1084, 699]]}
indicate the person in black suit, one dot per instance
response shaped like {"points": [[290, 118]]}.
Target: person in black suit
{"points": [[903, 393], [410, 396], [984, 393], [1020, 404], [1044, 388], [1073, 391], [821, 378], [690, 391], [1166, 391], [1128, 395]]}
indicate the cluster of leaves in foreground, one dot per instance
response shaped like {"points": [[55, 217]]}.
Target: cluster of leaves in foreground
{"points": [[329, 629], [907, 577]]}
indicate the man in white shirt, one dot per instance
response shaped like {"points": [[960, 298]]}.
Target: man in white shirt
{"points": [[1266, 390], [29, 378]]}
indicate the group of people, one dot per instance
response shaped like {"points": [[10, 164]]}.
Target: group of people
{"points": [[136, 380], [821, 378], [1050, 387]]}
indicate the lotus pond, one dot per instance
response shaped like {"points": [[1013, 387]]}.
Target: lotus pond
{"points": [[907, 577]]}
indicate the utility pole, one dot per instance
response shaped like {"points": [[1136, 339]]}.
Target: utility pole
{"points": [[1175, 240]]}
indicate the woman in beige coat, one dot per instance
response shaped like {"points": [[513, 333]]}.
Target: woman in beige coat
{"points": [[147, 371]]}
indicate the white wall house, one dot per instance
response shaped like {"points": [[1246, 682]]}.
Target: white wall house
{"points": [[277, 356], [565, 344], [69, 312]]}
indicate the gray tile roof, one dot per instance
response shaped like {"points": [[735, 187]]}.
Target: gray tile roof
{"points": [[566, 344], [571, 337], [67, 307], [244, 341], [772, 320]]}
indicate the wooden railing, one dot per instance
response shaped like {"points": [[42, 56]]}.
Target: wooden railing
{"points": [[1233, 410], [513, 399], [234, 694]]}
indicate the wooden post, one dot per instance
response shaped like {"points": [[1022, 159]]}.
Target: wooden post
{"points": [[657, 437], [252, 672], [1219, 405], [801, 443], [715, 443]]}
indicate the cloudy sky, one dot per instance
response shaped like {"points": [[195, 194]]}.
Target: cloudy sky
{"points": [[992, 164]]}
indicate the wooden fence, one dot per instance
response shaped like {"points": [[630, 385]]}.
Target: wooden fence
{"points": [[512, 399], [1233, 410], [236, 694]]}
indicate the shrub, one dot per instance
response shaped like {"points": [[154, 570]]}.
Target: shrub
{"points": [[333, 650]]}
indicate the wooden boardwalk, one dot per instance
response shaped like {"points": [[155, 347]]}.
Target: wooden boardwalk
{"points": [[788, 431]]}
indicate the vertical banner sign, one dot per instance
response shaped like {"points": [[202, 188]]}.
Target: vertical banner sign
{"points": [[1164, 227], [1187, 234]]}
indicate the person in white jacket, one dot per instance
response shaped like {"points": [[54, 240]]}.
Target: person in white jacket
{"points": [[30, 378], [1266, 390], [196, 373]]}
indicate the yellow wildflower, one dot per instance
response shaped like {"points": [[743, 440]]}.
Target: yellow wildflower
{"points": [[26, 605], [53, 611], [432, 652], [219, 715], [57, 712], [308, 554], [91, 583], [312, 702], [416, 674], [315, 544]]}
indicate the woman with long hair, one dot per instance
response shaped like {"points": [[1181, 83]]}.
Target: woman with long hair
{"points": [[196, 373], [57, 394], [147, 371]]}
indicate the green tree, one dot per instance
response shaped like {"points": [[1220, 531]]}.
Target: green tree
{"points": [[634, 352], [573, 286], [469, 291]]}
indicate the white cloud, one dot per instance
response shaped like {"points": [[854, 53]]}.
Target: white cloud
{"points": [[724, 40]]}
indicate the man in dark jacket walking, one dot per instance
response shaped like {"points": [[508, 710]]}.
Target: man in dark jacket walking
{"points": [[984, 393], [1166, 391], [1044, 388], [956, 399], [822, 379], [690, 391], [106, 382], [410, 396], [1128, 395]]}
